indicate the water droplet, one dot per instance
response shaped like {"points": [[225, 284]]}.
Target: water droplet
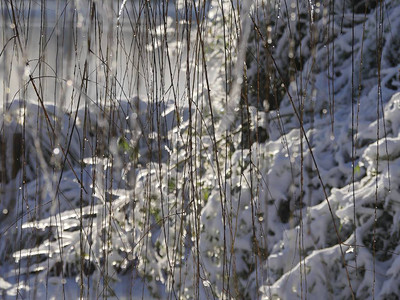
{"points": [[206, 283]]}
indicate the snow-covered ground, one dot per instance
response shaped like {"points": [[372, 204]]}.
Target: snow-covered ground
{"points": [[263, 163]]}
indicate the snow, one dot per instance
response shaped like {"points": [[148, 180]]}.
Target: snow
{"points": [[168, 193]]}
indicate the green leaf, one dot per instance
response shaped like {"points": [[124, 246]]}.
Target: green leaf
{"points": [[357, 170], [123, 144]]}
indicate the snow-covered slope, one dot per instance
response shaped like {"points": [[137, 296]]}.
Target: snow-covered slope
{"points": [[278, 180]]}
